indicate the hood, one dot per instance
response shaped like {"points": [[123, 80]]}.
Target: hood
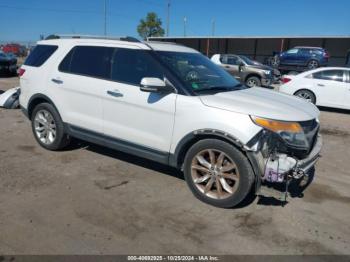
{"points": [[263, 103]]}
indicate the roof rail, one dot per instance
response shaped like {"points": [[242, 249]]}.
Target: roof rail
{"points": [[123, 38]]}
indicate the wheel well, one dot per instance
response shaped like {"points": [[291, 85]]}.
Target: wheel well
{"points": [[36, 100], [182, 151], [305, 89], [250, 75]]}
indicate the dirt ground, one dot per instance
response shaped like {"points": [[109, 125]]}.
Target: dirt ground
{"points": [[91, 200]]}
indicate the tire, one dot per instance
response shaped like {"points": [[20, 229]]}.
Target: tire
{"points": [[52, 124], [194, 173], [307, 95], [253, 81], [313, 64]]}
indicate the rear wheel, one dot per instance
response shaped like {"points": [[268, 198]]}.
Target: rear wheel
{"points": [[48, 127], [307, 95], [217, 173], [253, 81], [313, 64]]}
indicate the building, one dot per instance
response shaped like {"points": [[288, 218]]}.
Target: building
{"points": [[262, 47]]}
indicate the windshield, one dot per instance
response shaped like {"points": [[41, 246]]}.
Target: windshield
{"points": [[198, 73], [248, 61]]}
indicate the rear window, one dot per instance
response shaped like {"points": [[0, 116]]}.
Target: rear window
{"points": [[40, 55], [91, 61]]}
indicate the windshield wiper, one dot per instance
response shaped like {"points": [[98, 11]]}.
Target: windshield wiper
{"points": [[214, 88]]}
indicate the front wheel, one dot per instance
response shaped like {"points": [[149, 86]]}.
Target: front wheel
{"points": [[217, 173], [253, 81]]}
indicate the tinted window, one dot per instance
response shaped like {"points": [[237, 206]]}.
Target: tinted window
{"points": [[305, 51], [40, 54], [232, 60], [336, 75], [130, 66], [65, 64], [92, 61]]}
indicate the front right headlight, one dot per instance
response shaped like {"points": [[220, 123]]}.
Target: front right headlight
{"points": [[290, 132]]}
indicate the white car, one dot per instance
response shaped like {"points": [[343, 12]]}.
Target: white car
{"points": [[327, 86], [170, 104]]}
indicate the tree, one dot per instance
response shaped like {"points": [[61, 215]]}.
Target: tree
{"points": [[151, 26]]}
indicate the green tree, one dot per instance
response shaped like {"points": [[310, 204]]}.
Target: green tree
{"points": [[151, 26]]}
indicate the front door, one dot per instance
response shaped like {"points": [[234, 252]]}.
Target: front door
{"points": [[231, 64], [330, 87], [143, 119]]}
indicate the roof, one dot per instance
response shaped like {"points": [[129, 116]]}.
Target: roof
{"points": [[120, 41], [249, 37], [309, 47]]}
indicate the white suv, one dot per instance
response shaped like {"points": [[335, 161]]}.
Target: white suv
{"points": [[170, 104]]}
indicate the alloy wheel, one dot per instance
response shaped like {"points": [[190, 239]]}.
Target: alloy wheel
{"points": [[45, 127], [305, 95], [313, 64], [251, 83], [215, 174]]}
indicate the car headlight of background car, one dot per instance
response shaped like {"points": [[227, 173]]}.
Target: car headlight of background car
{"points": [[291, 132]]}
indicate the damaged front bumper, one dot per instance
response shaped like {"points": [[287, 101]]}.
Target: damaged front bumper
{"points": [[281, 167]]}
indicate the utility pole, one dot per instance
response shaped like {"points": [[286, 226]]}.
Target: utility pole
{"points": [[185, 22], [213, 27], [105, 16], [168, 19]]}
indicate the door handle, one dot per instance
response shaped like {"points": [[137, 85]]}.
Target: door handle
{"points": [[57, 81], [115, 93], [320, 84]]}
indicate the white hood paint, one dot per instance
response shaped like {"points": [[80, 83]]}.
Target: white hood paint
{"points": [[263, 103]]}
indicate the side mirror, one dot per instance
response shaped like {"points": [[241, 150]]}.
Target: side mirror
{"points": [[156, 85]]}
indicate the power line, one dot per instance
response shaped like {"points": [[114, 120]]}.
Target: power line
{"points": [[168, 19], [105, 14]]}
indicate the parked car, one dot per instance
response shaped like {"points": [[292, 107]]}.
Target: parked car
{"points": [[8, 64], [170, 104], [248, 71], [303, 56], [328, 86], [16, 49]]}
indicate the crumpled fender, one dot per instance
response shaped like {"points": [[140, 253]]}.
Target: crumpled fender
{"points": [[10, 98]]}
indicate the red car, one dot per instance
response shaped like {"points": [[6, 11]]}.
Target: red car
{"points": [[16, 49]]}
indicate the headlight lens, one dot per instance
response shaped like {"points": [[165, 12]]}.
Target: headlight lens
{"points": [[291, 132], [267, 72]]}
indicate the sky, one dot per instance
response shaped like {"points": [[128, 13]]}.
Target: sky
{"points": [[26, 20]]}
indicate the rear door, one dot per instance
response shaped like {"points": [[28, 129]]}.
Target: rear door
{"points": [[77, 85], [330, 87]]}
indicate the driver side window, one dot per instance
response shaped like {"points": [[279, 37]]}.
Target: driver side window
{"points": [[232, 60]]}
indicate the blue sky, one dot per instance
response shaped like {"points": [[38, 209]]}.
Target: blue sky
{"points": [[25, 20]]}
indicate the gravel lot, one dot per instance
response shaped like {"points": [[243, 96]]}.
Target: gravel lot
{"points": [[91, 200]]}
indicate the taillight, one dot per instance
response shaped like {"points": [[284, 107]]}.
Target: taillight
{"points": [[285, 80], [21, 72], [326, 54]]}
